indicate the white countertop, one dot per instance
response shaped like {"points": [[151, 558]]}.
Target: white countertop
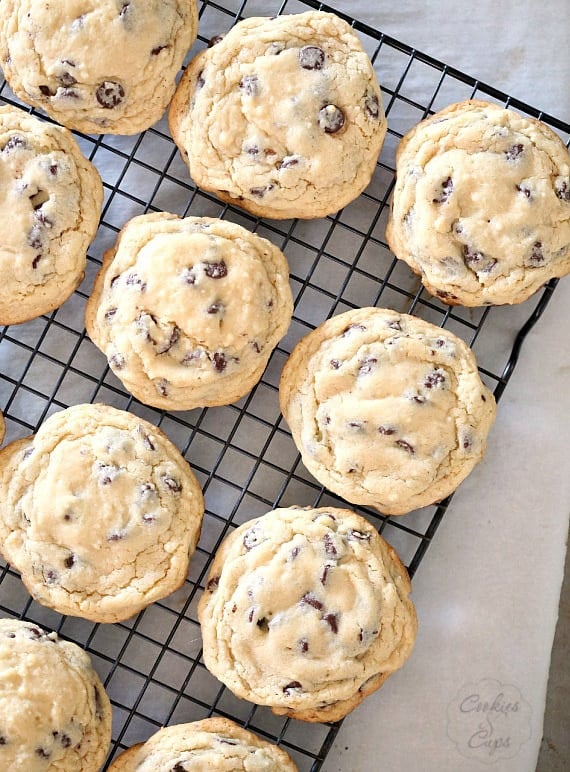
{"points": [[472, 694]]}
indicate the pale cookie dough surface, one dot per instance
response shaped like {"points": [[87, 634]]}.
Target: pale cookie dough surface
{"points": [[50, 204], [481, 207], [98, 66], [188, 311], [216, 744], [307, 611], [54, 712], [283, 117], [386, 409], [99, 512]]}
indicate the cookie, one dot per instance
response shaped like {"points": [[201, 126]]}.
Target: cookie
{"points": [[386, 409], [50, 204], [54, 712], [307, 611], [282, 117], [98, 66], [99, 512], [2, 427], [188, 311], [216, 744], [481, 206]]}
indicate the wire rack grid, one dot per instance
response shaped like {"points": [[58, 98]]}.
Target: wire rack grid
{"points": [[242, 454]]}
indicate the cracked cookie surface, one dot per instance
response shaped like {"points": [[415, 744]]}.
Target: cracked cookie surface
{"points": [[481, 206], [54, 712], [98, 66], [100, 513], [307, 611], [50, 204], [188, 311], [387, 410], [282, 117], [216, 744]]}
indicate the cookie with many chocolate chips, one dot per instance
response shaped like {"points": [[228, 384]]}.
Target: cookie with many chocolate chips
{"points": [[99, 512], [54, 712], [307, 611], [282, 116], [188, 311], [216, 744], [481, 207], [98, 66], [50, 204], [386, 409]]}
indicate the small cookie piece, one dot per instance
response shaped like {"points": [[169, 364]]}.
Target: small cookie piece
{"points": [[54, 711], [50, 204], [99, 512], [216, 744], [307, 611], [98, 66], [282, 117], [188, 311], [481, 206], [386, 409]]}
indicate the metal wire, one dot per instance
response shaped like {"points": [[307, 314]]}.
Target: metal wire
{"points": [[242, 454]]}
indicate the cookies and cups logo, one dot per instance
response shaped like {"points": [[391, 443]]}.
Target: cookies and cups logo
{"points": [[489, 721]]}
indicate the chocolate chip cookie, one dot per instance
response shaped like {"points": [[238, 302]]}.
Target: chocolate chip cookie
{"points": [[386, 409], [54, 712], [98, 66], [211, 744], [282, 117], [99, 512], [50, 204], [481, 207], [188, 311], [307, 611]]}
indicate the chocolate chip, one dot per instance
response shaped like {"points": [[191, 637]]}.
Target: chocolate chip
{"points": [[536, 255], [526, 191], [213, 583], [263, 624], [68, 93], [435, 378], [331, 119], [372, 105], [16, 142], [116, 536], [36, 261], [275, 48], [69, 561], [446, 191], [290, 686], [367, 365], [261, 191], [227, 741], [562, 190], [405, 446], [256, 347], [388, 430], [294, 552], [35, 238], [216, 270], [483, 397], [147, 491], [200, 82], [51, 577], [324, 573], [117, 361], [109, 314], [394, 324], [43, 753], [35, 632], [311, 58], [162, 387], [354, 535], [171, 484], [66, 79], [107, 473], [335, 364], [3, 740], [351, 328], [251, 538], [178, 768], [358, 425], [65, 741], [110, 94], [157, 50], [311, 600], [213, 41], [134, 280], [331, 620], [114, 280], [250, 85], [220, 361], [46, 90], [330, 549], [288, 162], [146, 440], [188, 276], [512, 153], [124, 9], [216, 308], [304, 645], [164, 347], [478, 261]]}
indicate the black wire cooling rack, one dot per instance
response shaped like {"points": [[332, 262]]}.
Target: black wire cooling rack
{"points": [[242, 454]]}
